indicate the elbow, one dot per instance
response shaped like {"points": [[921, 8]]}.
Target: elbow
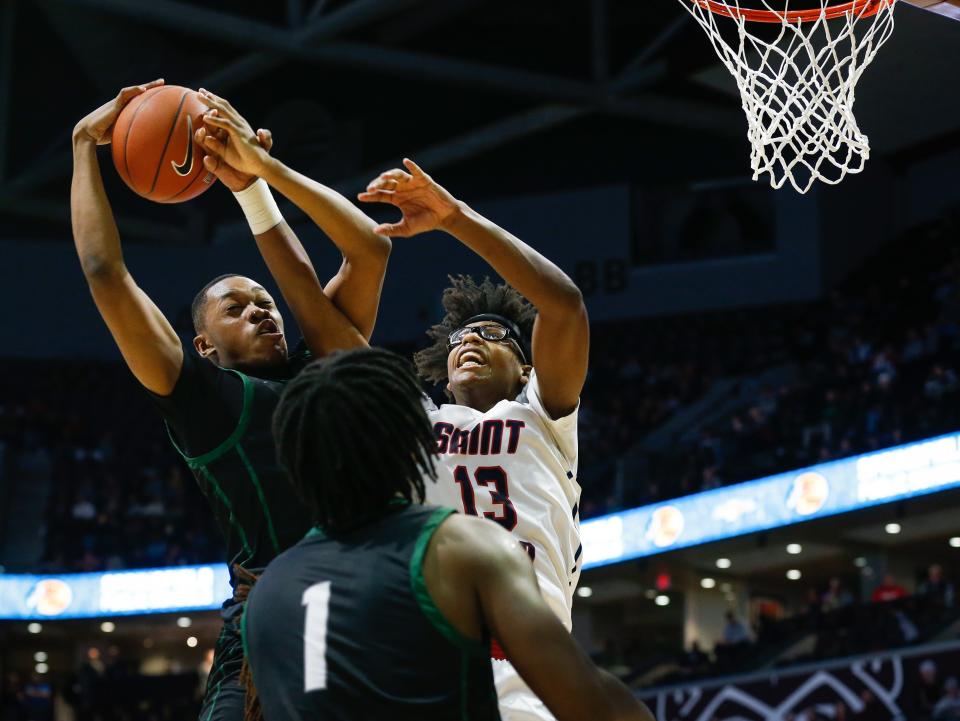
{"points": [[573, 295], [99, 270], [374, 253], [380, 247], [566, 301], [570, 299]]}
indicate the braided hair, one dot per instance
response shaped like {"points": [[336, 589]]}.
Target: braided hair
{"points": [[465, 298], [352, 434]]}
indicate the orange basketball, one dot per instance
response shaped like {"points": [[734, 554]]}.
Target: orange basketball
{"points": [[153, 147]]}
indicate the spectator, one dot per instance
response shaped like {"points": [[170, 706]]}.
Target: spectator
{"points": [[89, 682], [735, 632], [731, 649], [929, 690], [84, 510], [940, 382], [936, 589], [948, 707], [888, 590], [694, 660], [835, 597], [37, 703]]}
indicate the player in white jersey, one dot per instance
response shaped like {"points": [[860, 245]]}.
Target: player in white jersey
{"points": [[516, 465], [508, 439]]}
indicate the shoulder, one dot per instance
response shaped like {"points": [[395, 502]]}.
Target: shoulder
{"points": [[428, 405], [196, 374], [531, 396], [282, 572], [477, 544]]}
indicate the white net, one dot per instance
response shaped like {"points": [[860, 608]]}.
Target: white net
{"points": [[797, 82]]}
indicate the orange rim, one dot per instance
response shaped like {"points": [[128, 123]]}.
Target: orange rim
{"points": [[860, 8]]}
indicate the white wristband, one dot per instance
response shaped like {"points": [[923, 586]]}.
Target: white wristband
{"points": [[259, 206]]}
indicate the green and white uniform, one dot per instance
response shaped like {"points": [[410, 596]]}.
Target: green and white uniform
{"points": [[344, 629]]}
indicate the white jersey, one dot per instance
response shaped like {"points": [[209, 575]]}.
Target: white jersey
{"points": [[517, 466]]}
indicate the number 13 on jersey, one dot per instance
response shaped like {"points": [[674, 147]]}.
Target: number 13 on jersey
{"points": [[491, 479]]}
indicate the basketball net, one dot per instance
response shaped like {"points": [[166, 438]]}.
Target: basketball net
{"points": [[798, 85]]}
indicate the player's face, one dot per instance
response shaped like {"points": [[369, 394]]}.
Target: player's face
{"points": [[243, 328], [476, 363]]}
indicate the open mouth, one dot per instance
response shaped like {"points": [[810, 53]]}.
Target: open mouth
{"points": [[470, 359], [268, 327]]}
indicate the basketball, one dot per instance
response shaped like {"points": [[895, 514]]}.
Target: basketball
{"points": [[153, 147]]}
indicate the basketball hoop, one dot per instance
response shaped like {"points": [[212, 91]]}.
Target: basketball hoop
{"points": [[797, 86]]}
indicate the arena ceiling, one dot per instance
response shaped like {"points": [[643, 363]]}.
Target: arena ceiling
{"points": [[501, 97]]}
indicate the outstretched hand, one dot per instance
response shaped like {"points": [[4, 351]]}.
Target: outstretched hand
{"points": [[98, 125], [229, 139], [233, 179], [425, 205]]}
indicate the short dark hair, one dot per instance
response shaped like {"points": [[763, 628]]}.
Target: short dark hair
{"points": [[199, 304], [352, 434], [465, 298]]}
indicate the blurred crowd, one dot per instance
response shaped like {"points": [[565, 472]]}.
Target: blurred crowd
{"points": [[841, 619], [874, 364], [107, 686], [118, 495], [832, 623]]}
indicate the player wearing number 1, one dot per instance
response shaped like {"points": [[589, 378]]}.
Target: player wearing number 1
{"points": [[386, 612], [508, 441]]}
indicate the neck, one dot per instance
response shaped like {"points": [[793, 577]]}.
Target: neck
{"points": [[480, 398], [278, 371]]}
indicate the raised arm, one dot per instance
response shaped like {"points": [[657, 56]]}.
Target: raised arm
{"points": [[561, 332], [356, 287], [324, 327], [480, 577], [146, 339]]}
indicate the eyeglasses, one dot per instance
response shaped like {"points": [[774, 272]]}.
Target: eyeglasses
{"points": [[495, 333]]}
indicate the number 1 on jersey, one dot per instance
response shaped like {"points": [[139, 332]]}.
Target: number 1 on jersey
{"points": [[317, 600]]}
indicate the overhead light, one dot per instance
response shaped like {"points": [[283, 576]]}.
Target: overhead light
{"points": [[794, 548], [34, 627], [584, 592], [793, 574], [662, 600], [955, 542], [892, 528], [724, 563], [41, 668], [40, 656], [184, 622], [107, 626], [859, 561], [707, 583], [192, 642]]}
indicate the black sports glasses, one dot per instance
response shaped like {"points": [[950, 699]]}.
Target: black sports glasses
{"points": [[495, 333]]}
